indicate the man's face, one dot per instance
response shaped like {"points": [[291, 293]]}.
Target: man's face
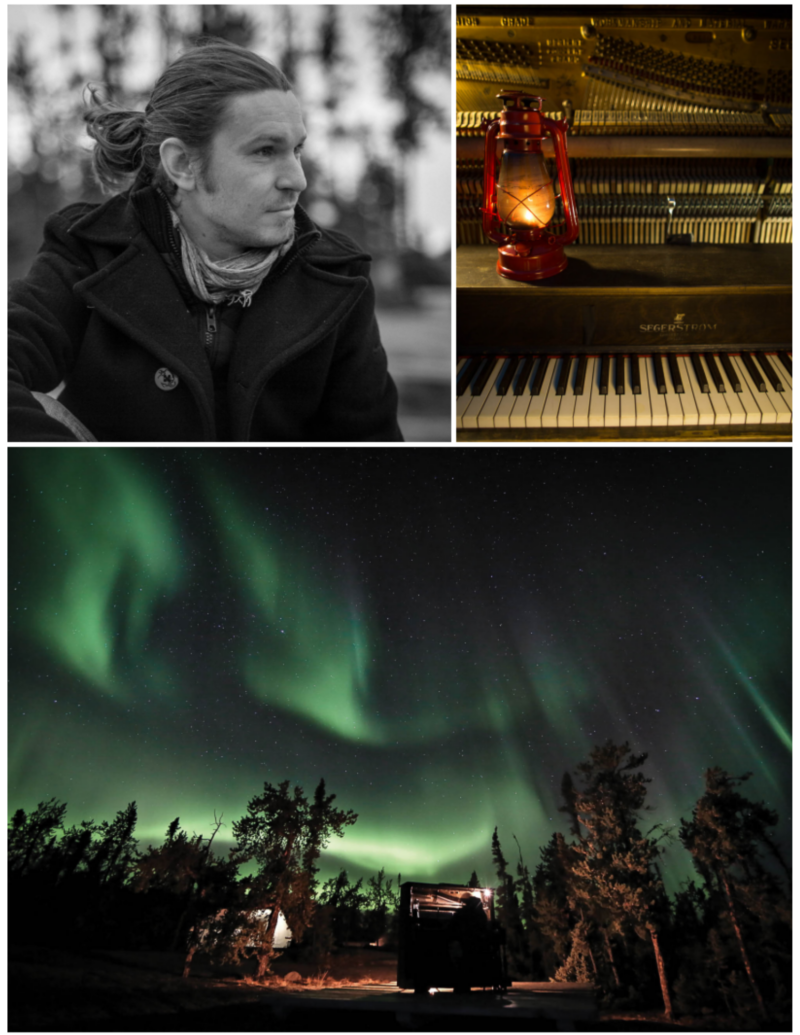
{"points": [[246, 198]]}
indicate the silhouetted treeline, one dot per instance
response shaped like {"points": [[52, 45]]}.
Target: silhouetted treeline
{"points": [[91, 885], [595, 909]]}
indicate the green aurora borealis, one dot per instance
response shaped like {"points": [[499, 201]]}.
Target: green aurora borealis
{"points": [[440, 633]]}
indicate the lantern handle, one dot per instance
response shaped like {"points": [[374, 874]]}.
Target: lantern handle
{"points": [[558, 132], [489, 193]]}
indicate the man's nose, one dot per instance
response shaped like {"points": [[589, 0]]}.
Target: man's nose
{"points": [[292, 176]]}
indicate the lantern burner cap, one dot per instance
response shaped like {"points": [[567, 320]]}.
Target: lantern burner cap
{"points": [[519, 100]]}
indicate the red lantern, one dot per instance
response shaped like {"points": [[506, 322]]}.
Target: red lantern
{"points": [[519, 202]]}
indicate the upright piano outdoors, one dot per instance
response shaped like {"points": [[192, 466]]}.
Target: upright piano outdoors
{"points": [[448, 938]]}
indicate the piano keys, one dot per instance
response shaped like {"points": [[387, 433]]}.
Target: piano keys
{"points": [[628, 342], [730, 392]]}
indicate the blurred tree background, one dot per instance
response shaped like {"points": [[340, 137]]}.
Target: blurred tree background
{"points": [[374, 82]]}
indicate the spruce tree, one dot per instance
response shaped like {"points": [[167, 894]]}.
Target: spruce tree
{"points": [[117, 848], [724, 836], [555, 918], [612, 866], [507, 913], [346, 902], [33, 839], [200, 883], [284, 834]]}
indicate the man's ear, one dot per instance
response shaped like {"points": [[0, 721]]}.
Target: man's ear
{"points": [[177, 163]]}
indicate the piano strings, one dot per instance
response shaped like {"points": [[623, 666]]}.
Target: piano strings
{"points": [[645, 200]]}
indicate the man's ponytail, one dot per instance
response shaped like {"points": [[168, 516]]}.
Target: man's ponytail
{"points": [[120, 135]]}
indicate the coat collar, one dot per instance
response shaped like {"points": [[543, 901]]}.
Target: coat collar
{"points": [[119, 220]]}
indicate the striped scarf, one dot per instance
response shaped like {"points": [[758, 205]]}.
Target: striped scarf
{"points": [[230, 280]]}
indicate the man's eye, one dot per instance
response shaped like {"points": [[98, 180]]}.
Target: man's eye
{"points": [[299, 151]]}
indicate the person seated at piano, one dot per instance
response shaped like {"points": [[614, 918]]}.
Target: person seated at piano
{"points": [[200, 303]]}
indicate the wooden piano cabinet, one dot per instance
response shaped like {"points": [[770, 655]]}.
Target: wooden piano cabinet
{"points": [[614, 298]]}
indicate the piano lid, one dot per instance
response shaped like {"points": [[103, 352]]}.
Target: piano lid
{"points": [[616, 297]]}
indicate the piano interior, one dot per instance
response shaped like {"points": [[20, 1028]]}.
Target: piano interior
{"points": [[673, 316]]}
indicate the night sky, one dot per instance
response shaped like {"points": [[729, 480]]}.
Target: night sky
{"points": [[440, 633]]}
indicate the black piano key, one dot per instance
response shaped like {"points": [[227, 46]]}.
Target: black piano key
{"points": [[636, 383], [786, 359], [733, 377], [524, 374], [563, 376], [479, 383], [658, 370], [468, 371], [717, 380], [605, 363], [677, 384], [507, 375], [769, 370], [754, 372], [619, 375], [580, 375], [700, 372], [538, 378]]}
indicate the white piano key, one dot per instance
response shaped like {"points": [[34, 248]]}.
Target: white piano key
{"points": [[612, 399], [741, 404], [706, 414], [502, 415], [719, 400], [783, 373], [473, 411], [672, 398], [486, 416], [533, 418], [785, 377], [627, 402], [765, 407], [658, 405], [566, 411], [644, 415], [581, 413], [519, 411], [461, 364], [552, 403], [462, 404], [779, 400], [691, 413], [493, 399], [597, 402]]}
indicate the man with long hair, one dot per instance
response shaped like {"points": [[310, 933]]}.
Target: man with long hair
{"points": [[200, 302]]}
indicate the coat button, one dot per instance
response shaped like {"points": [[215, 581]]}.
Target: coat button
{"points": [[166, 380]]}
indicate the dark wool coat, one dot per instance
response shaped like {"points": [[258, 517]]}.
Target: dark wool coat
{"points": [[105, 308]]}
